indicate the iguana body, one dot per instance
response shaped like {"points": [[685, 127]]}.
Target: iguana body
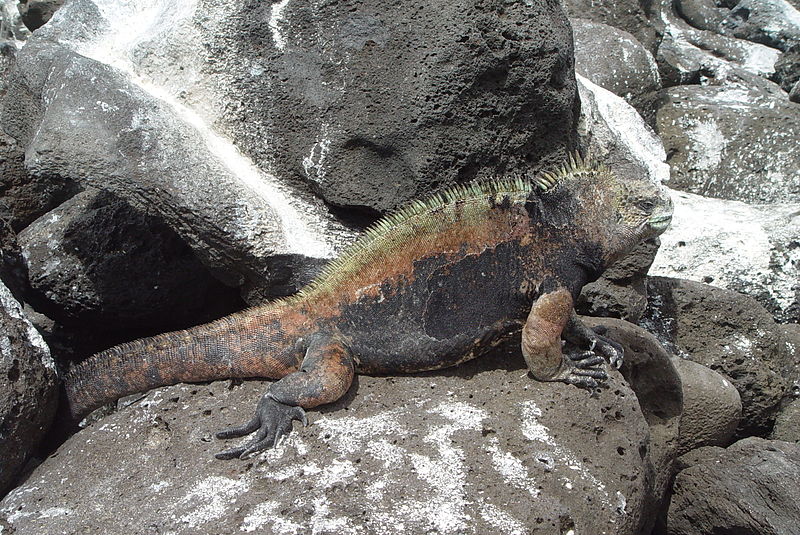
{"points": [[436, 284]]}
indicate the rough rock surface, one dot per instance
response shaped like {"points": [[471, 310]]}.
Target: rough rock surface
{"points": [[27, 389], [477, 449], [611, 131], [398, 99], [77, 253], [752, 249], [787, 423], [614, 59], [749, 488], [712, 407], [631, 16], [729, 333], [717, 138], [650, 371]]}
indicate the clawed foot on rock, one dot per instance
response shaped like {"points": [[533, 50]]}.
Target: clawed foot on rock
{"points": [[584, 368], [272, 420]]}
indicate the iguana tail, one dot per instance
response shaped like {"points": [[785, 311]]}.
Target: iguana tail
{"points": [[253, 343]]}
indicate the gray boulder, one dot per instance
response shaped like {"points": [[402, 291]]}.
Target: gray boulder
{"points": [[97, 261], [749, 489], [729, 333], [614, 60], [28, 389], [712, 407], [477, 449], [731, 143], [11, 26], [751, 249], [632, 16]]}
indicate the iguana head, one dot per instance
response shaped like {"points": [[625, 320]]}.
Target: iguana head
{"points": [[610, 215]]}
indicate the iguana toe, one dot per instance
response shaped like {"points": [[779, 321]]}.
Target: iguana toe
{"points": [[272, 420]]}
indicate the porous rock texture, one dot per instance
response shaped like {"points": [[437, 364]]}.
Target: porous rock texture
{"points": [[399, 100], [27, 389], [477, 449], [729, 333], [712, 407], [747, 488]]}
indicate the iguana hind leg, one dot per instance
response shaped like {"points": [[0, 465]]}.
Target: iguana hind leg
{"points": [[541, 344], [324, 376]]}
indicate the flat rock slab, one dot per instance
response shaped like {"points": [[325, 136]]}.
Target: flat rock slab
{"points": [[478, 449]]}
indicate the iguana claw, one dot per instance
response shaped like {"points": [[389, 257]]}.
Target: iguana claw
{"points": [[272, 420], [584, 369]]}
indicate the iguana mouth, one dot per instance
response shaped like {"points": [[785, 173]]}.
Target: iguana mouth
{"points": [[660, 222]]}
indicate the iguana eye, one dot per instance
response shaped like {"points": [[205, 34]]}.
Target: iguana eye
{"points": [[646, 206]]}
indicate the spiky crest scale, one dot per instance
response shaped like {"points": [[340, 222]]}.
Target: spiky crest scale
{"points": [[574, 167]]}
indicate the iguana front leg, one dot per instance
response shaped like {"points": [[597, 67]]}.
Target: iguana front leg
{"points": [[324, 376], [541, 344]]}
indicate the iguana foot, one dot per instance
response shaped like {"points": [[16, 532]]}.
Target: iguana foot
{"points": [[605, 346], [583, 368], [272, 420]]}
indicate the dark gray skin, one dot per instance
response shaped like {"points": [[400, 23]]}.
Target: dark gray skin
{"points": [[436, 285]]}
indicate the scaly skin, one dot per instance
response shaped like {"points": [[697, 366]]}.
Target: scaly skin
{"points": [[436, 284]]}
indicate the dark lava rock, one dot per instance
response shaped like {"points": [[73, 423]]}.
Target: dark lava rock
{"points": [[614, 59], [97, 261], [749, 488], [730, 333], [477, 449], [375, 105], [27, 389], [35, 13], [622, 290], [731, 143]]}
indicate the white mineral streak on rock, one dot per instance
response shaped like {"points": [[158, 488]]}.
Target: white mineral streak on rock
{"points": [[349, 434], [275, 21], [131, 24], [535, 431], [14, 309], [314, 163], [627, 128], [709, 142], [512, 469], [732, 245], [210, 499], [447, 473], [501, 520]]}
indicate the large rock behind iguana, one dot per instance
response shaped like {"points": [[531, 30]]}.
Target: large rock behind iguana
{"points": [[475, 449]]}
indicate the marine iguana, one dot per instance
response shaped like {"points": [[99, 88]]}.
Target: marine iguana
{"points": [[437, 283]]}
